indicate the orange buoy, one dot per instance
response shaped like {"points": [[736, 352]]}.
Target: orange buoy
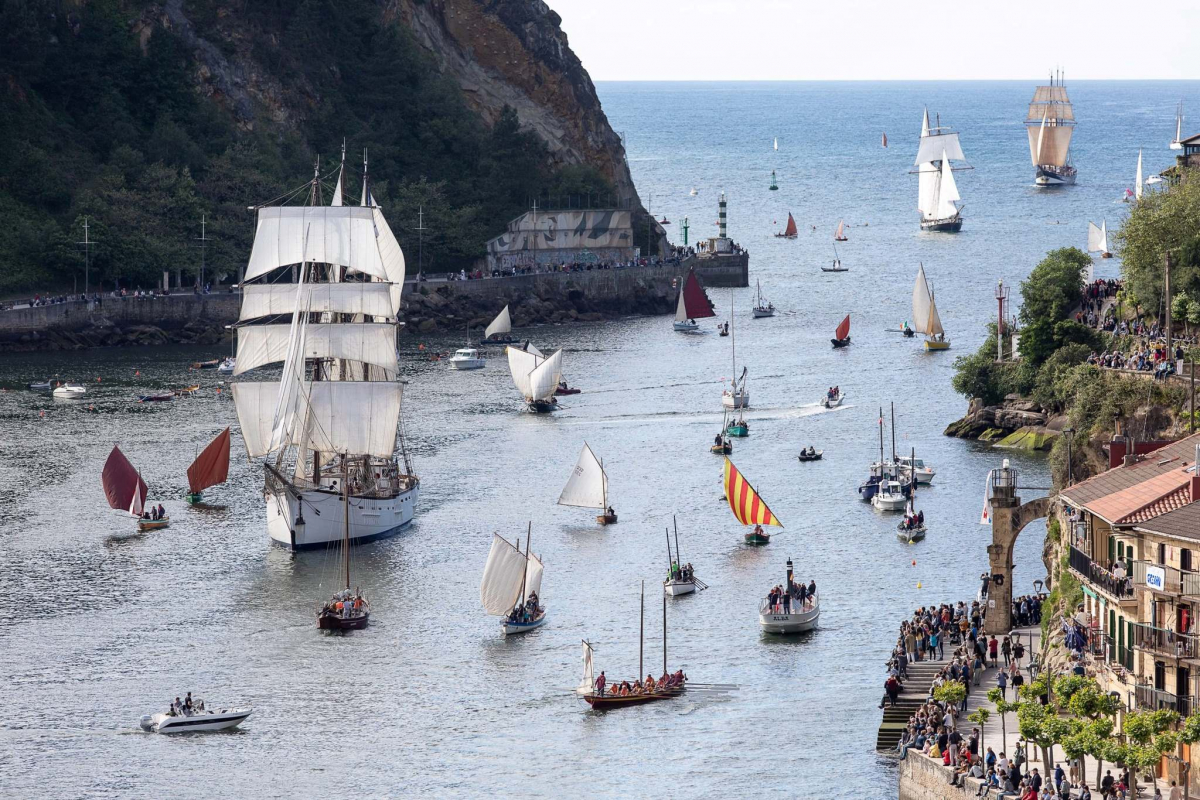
{"points": [[137, 372], [41, 413], [914, 562]]}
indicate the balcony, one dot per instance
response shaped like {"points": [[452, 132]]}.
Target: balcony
{"points": [[1164, 642], [1152, 699], [1098, 576], [1158, 577], [1106, 647]]}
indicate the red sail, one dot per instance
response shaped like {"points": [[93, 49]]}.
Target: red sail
{"points": [[695, 301], [843, 330], [211, 466], [790, 230], [120, 479]]}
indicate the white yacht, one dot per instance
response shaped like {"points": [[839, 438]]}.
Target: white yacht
{"points": [[889, 496], [467, 358], [195, 721], [227, 366], [920, 472], [69, 390]]}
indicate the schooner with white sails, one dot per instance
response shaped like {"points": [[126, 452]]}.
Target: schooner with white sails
{"points": [[937, 193], [321, 294], [1050, 124]]}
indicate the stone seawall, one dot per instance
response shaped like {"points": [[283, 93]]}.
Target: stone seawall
{"points": [[922, 778], [430, 306]]}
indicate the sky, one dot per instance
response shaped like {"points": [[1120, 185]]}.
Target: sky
{"points": [[701, 40]]}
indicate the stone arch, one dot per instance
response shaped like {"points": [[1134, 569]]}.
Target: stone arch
{"points": [[1009, 518]]}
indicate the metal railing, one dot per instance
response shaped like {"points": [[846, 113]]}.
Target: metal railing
{"points": [[1160, 640], [1191, 584], [1146, 696], [1159, 577], [1121, 588]]}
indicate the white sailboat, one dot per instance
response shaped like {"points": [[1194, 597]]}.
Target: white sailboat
{"points": [[588, 487], [1137, 181], [925, 314], [511, 586], [334, 414], [937, 192], [737, 395], [776, 142], [1049, 124], [1177, 142], [1098, 239], [499, 329], [762, 308], [536, 377]]}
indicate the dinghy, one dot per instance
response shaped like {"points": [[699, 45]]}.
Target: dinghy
{"points": [[810, 455], [789, 232], [912, 527], [747, 507], [841, 337], [692, 304], [209, 469], [228, 366], [588, 487], [213, 364], [762, 308], [511, 586], [788, 614], [201, 720], [925, 314]]}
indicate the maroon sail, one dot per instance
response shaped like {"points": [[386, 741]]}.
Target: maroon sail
{"points": [[211, 466], [790, 230], [695, 301], [843, 330], [123, 486]]}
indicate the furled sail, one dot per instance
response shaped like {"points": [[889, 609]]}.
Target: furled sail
{"points": [[545, 377], [747, 507], [370, 298], [843, 329], [500, 325], [123, 486], [500, 587], [522, 364], [920, 302], [211, 467], [588, 485], [369, 342], [354, 417], [695, 300]]}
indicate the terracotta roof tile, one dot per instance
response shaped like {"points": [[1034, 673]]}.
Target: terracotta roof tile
{"points": [[1183, 523], [1164, 505], [1144, 494], [1166, 459]]}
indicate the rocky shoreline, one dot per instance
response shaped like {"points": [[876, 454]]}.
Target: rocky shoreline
{"points": [[1016, 423]]}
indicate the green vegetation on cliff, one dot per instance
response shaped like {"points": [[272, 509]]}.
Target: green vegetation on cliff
{"points": [[104, 113], [1158, 222]]}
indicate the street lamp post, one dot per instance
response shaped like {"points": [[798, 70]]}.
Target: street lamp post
{"points": [[1070, 434]]}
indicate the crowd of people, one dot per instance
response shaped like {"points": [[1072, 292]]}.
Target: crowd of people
{"points": [[345, 604], [1145, 357], [525, 612], [781, 600], [185, 707], [154, 513], [668, 682], [683, 573]]}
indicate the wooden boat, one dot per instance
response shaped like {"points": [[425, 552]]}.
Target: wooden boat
{"points": [[816, 456], [841, 337], [161, 397], [210, 468], [789, 232], [347, 610], [498, 330], [187, 390], [777, 618], [536, 377], [937, 192], [588, 487], [206, 364], [740, 428], [511, 585], [608, 700], [723, 449], [747, 507], [681, 579], [925, 315], [692, 304], [125, 490], [840, 235], [723, 330], [910, 535], [153, 524]]}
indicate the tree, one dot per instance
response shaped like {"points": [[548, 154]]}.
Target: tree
{"points": [[1053, 288], [951, 693], [1159, 222], [996, 697], [980, 717], [1149, 738]]}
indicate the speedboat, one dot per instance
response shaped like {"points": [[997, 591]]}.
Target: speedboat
{"points": [[889, 496], [195, 721], [69, 390], [466, 358], [922, 474], [44, 386], [227, 366], [511, 626], [833, 402]]}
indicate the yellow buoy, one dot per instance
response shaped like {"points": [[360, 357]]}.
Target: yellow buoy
{"points": [[918, 584]]}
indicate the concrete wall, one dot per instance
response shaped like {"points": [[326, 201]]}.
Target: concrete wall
{"points": [[923, 778], [171, 311]]}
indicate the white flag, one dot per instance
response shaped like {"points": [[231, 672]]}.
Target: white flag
{"points": [[986, 517]]}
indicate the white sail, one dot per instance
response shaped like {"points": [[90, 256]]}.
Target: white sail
{"points": [[925, 124], [588, 485], [501, 324], [522, 364], [947, 192], [1103, 236], [337, 190], [928, 177], [369, 342], [1176, 143], [1137, 187], [289, 397], [355, 417], [776, 142], [920, 302], [1096, 239], [680, 308], [533, 576], [588, 684], [545, 377], [531, 349], [370, 298], [500, 588], [939, 146]]}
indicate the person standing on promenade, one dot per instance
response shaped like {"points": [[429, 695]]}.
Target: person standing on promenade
{"points": [[1002, 683], [1006, 649], [992, 646]]}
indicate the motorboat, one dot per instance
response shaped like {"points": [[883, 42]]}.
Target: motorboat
{"points": [[921, 473], [227, 366], [794, 617], [889, 496], [201, 721], [44, 386], [466, 358], [69, 391], [833, 400], [736, 398], [810, 455], [161, 397], [563, 389]]}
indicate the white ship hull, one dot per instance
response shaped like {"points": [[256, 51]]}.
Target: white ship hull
{"points": [[735, 400], [467, 363], [759, 313], [370, 518], [833, 402], [797, 621], [686, 327], [195, 723], [674, 588]]}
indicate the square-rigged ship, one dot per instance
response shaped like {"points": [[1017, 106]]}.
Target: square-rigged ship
{"points": [[322, 294], [1050, 124]]}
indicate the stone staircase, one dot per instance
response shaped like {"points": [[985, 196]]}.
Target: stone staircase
{"points": [[914, 693]]}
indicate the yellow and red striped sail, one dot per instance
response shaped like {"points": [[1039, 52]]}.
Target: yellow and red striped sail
{"points": [[747, 507]]}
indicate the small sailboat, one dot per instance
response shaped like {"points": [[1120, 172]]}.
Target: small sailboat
{"points": [[126, 491], [841, 337], [681, 578], [1177, 142], [747, 507], [348, 610], [535, 377], [762, 308], [774, 187], [837, 263], [1137, 181], [602, 695], [790, 231], [209, 469], [1098, 239], [692, 304], [588, 487], [885, 140], [693, 192], [787, 613], [840, 235], [511, 585], [925, 314], [737, 396], [721, 446], [499, 330], [776, 142]]}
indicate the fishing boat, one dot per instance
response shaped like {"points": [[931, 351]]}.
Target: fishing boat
{"points": [[512, 584], [69, 391], [925, 315], [562, 389], [937, 193], [721, 446], [681, 578], [837, 263], [793, 616], [790, 231], [739, 428], [348, 610], [227, 366], [1177, 142], [161, 397], [1098, 239], [774, 187], [535, 377], [126, 491], [499, 330], [912, 527], [833, 398], [213, 364], [334, 413], [467, 358], [604, 696], [1049, 125], [916, 469], [737, 396], [1137, 181], [762, 308], [692, 304], [42, 386], [200, 720], [588, 487], [810, 454], [840, 234], [209, 469], [841, 337], [889, 496], [747, 507]]}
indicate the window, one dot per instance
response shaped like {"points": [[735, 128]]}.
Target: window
{"points": [[1160, 675], [1162, 553], [1185, 560]]}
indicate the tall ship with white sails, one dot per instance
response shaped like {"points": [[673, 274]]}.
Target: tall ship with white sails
{"points": [[321, 294], [1050, 124], [937, 193]]}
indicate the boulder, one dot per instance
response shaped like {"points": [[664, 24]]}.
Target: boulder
{"points": [[1033, 438]]}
